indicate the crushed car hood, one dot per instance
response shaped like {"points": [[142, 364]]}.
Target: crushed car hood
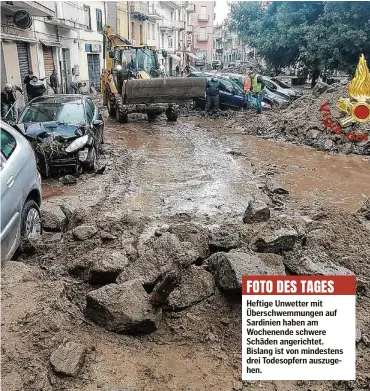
{"points": [[52, 131]]}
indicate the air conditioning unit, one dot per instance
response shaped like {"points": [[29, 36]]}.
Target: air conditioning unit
{"points": [[95, 47], [189, 39]]}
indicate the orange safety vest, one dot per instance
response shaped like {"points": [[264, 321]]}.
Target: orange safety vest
{"points": [[247, 84]]}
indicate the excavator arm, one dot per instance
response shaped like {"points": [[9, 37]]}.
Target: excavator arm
{"points": [[113, 38]]}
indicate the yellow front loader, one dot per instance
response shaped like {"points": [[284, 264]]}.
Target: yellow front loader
{"points": [[131, 82]]}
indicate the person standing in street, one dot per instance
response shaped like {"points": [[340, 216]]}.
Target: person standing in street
{"points": [[248, 88], [213, 95], [27, 81], [54, 81], [177, 69], [258, 86], [9, 101]]}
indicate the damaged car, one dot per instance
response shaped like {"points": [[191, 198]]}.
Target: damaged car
{"points": [[65, 131]]}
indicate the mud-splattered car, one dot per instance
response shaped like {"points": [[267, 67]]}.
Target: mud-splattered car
{"points": [[66, 132]]}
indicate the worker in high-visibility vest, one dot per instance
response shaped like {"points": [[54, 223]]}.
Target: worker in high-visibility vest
{"points": [[248, 88], [258, 86]]}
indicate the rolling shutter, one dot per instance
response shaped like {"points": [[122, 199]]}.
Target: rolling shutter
{"points": [[48, 60], [23, 63]]}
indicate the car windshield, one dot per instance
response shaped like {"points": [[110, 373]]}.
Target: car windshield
{"points": [[65, 112], [138, 59]]}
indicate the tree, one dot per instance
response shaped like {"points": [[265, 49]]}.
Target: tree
{"points": [[321, 36]]}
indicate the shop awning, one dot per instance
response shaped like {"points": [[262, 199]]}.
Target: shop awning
{"points": [[10, 37], [51, 43], [192, 55], [177, 58]]}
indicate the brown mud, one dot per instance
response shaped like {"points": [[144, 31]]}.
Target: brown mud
{"points": [[159, 175]]}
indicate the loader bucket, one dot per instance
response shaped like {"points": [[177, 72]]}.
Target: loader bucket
{"points": [[168, 90]]}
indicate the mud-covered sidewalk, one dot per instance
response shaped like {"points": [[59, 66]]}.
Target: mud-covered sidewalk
{"points": [[135, 283]]}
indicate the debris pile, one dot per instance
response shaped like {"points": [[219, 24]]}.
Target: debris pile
{"points": [[302, 123]]}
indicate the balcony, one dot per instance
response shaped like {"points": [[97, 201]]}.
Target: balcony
{"points": [[202, 38], [154, 14], [179, 25], [166, 24], [190, 8], [189, 29], [203, 18], [35, 8], [69, 15], [139, 6], [169, 4]]}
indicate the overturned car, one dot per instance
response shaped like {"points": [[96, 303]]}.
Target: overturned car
{"points": [[65, 131]]}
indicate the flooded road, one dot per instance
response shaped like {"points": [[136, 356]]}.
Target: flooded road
{"points": [[197, 167]]}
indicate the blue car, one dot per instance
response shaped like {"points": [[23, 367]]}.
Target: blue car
{"points": [[231, 95]]}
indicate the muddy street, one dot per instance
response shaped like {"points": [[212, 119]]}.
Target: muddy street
{"points": [[171, 199]]}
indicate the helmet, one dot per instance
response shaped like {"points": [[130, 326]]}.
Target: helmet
{"points": [[8, 86]]}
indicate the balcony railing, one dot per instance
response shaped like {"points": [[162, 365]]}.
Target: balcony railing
{"points": [[166, 24], [179, 25], [202, 38], [190, 8], [203, 18]]}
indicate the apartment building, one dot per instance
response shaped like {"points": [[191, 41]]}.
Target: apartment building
{"points": [[66, 36], [201, 19], [228, 48]]}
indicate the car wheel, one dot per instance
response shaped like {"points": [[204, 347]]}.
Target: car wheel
{"points": [[31, 227], [91, 160]]}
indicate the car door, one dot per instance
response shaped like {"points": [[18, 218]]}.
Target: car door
{"points": [[229, 95], [11, 196], [92, 108]]}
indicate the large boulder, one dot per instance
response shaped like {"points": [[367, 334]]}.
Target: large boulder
{"points": [[314, 264], [106, 268], [68, 359], [225, 237], [256, 212], [196, 285], [51, 222], [195, 234], [161, 254], [228, 268], [123, 308], [282, 239], [84, 232]]}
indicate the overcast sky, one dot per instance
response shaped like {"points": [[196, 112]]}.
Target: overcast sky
{"points": [[221, 10]]}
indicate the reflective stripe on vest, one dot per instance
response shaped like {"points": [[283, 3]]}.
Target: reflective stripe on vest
{"points": [[247, 83], [256, 86]]}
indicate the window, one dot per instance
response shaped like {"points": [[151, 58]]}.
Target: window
{"points": [[132, 30], [89, 111], [141, 35], [203, 33], [203, 11], [99, 21], [87, 16], [8, 143], [170, 42], [153, 27]]}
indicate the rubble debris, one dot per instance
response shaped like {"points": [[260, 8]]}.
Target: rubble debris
{"points": [[123, 308], [320, 88], [313, 264], [104, 235], [163, 289], [275, 188], [196, 284], [277, 241], [73, 218], [224, 237], [68, 180], [228, 268], [50, 222], [161, 254], [84, 232], [196, 234], [101, 169], [365, 209], [358, 335], [256, 212], [68, 359], [106, 268]]}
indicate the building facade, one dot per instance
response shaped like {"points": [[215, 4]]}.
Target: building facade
{"points": [[65, 36]]}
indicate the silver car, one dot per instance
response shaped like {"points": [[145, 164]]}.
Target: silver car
{"points": [[20, 191]]}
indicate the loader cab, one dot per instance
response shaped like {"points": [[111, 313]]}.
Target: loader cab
{"points": [[134, 62]]}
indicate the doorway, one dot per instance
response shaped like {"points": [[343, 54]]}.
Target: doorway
{"points": [[93, 64], [66, 71]]}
